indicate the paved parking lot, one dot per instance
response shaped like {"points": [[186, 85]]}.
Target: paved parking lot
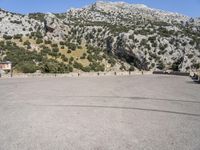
{"points": [[150, 112]]}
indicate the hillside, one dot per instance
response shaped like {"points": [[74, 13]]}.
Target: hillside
{"points": [[101, 37]]}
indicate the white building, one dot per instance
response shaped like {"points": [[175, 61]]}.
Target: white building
{"points": [[5, 66]]}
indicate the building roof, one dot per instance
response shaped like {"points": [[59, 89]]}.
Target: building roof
{"points": [[6, 62]]}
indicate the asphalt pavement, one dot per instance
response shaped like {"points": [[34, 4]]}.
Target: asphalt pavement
{"points": [[139, 112]]}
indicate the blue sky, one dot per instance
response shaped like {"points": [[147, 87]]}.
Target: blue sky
{"points": [[187, 7]]}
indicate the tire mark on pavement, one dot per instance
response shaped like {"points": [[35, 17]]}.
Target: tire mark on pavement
{"points": [[118, 107], [137, 98]]}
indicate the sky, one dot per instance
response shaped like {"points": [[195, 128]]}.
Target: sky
{"points": [[187, 7]]}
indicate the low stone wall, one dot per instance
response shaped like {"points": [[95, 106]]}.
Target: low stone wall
{"points": [[172, 73], [76, 74]]}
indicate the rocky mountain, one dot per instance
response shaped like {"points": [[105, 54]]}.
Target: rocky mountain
{"points": [[102, 36]]}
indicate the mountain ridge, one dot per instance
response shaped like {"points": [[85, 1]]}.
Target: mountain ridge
{"points": [[109, 36]]}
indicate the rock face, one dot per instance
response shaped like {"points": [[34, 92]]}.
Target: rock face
{"points": [[12, 24], [54, 27], [136, 34]]}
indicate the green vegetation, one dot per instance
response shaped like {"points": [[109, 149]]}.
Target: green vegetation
{"points": [[27, 43], [39, 41], [52, 66], [132, 68], [7, 37], [26, 67], [37, 16], [71, 46], [160, 65], [16, 21], [97, 45], [29, 61], [176, 64], [47, 42], [18, 36], [37, 34]]}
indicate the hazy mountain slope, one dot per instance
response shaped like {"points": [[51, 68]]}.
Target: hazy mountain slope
{"points": [[109, 35]]}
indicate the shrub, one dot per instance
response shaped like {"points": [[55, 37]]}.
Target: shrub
{"points": [[16, 21], [143, 42], [97, 66], [112, 62], [190, 56], [69, 51], [132, 37], [163, 47], [152, 65], [28, 46], [56, 50], [152, 39], [80, 47], [160, 65], [45, 51], [71, 59], [47, 42], [37, 16], [7, 37], [196, 65], [27, 67], [89, 57], [78, 65], [86, 69], [18, 36], [70, 69], [99, 30], [175, 67], [53, 66], [71, 46], [184, 44], [176, 64], [2, 43], [192, 42], [38, 35], [54, 45], [39, 41], [30, 29], [172, 41], [83, 56], [62, 43], [64, 58], [132, 68], [27, 42]]}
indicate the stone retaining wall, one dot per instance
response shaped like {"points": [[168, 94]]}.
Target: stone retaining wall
{"points": [[75, 74]]}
